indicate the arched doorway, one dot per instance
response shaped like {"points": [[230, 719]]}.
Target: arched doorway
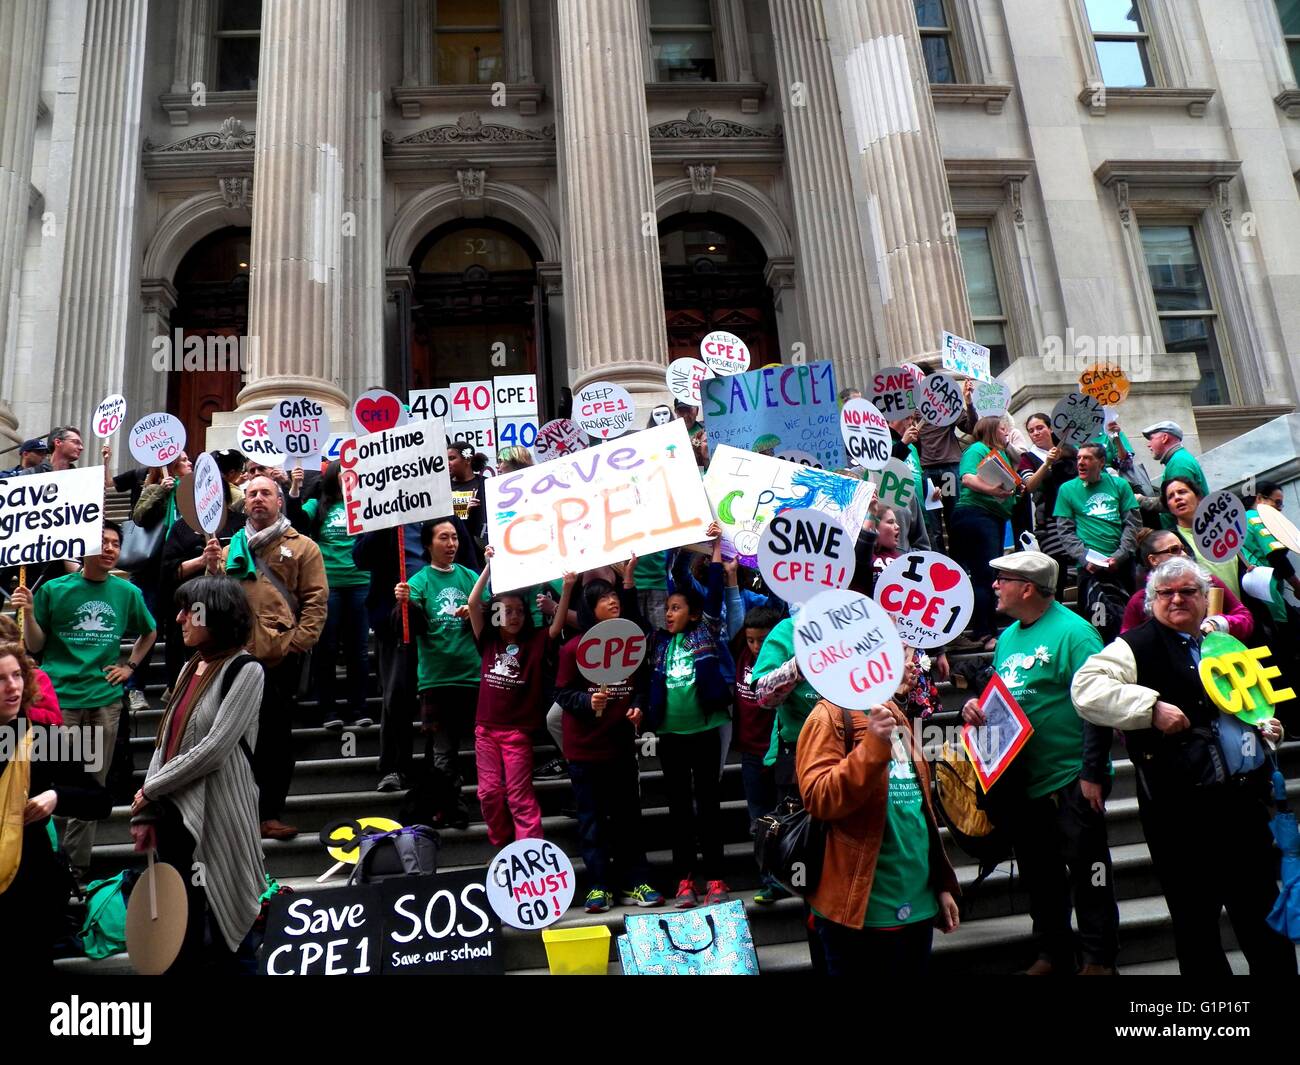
{"points": [[212, 305], [714, 278]]}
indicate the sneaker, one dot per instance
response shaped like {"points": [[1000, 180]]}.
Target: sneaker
{"points": [[390, 782], [137, 701], [718, 892], [555, 769], [686, 898], [599, 901], [643, 895], [364, 721], [334, 724], [770, 893]]}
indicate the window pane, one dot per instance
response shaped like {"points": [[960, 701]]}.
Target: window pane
{"points": [[993, 335], [237, 63], [930, 13], [1174, 266], [1114, 16], [240, 15], [1289, 12], [981, 280], [1124, 64], [469, 59], [1196, 335], [1294, 49], [451, 13], [683, 56], [681, 13], [938, 59]]}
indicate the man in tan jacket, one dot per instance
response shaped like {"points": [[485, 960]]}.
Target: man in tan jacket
{"points": [[283, 577]]}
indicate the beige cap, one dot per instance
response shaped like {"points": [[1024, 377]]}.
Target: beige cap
{"points": [[1034, 566]]}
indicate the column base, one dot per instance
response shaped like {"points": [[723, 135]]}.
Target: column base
{"points": [[646, 382], [261, 394]]}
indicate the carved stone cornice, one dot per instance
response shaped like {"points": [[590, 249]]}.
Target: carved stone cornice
{"points": [[699, 124], [471, 129], [227, 151], [232, 136]]}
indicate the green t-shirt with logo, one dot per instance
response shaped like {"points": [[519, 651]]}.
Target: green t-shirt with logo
{"points": [[84, 622], [683, 714], [335, 543], [968, 497], [901, 892], [778, 649], [651, 571], [1037, 664], [447, 651], [1097, 509]]}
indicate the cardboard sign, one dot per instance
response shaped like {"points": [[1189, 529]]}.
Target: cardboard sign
{"points": [[1220, 526], [684, 378], [377, 410], [530, 883], [1105, 383], [965, 357], [156, 918], [47, 516], [255, 443], [939, 399], [596, 507], [604, 410], [1077, 419], [515, 395], [482, 436], [895, 484], [558, 438], [517, 432], [396, 477], [848, 649], [724, 353], [157, 439], [803, 552], [108, 416], [209, 494], [990, 398], [892, 391], [611, 651], [298, 429], [747, 490], [471, 401], [866, 434], [429, 403], [1236, 679], [779, 410], [993, 746], [929, 596], [1279, 526]]}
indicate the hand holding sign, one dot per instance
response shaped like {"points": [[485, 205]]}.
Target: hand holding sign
{"points": [[803, 552], [298, 428], [1220, 526], [108, 416], [848, 649], [1077, 419], [931, 599], [611, 651]]}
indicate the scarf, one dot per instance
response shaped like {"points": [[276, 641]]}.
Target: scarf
{"points": [[15, 783], [239, 558], [178, 704]]}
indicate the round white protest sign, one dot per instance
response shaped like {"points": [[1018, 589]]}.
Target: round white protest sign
{"points": [[930, 598], [1220, 526], [724, 353], [255, 444], [604, 410], [157, 439], [866, 434], [108, 416], [990, 398], [939, 399], [896, 485], [1279, 526], [298, 428], [556, 438], [611, 651], [684, 377], [892, 391], [377, 410], [803, 552], [848, 649], [530, 883], [209, 494], [1077, 419]]}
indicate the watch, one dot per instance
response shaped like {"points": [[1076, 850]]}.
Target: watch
{"points": [[132, 666]]}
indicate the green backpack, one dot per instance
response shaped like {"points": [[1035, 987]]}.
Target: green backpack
{"points": [[104, 931]]}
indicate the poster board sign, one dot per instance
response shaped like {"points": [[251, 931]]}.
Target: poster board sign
{"points": [[746, 490], [892, 391], [1220, 526], [530, 884], [804, 552], [939, 399], [930, 598], [724, 353], [482, 436], [1077, 419], [848, 649], [1236, 679], [990, 398], [157, 439], [298, 429], [1104, 382], [895, 484], [778, 410], [611, 651], [471, 401], [396, 477], [993, 746], [429, 403], [558, 438], [377, 410], [517, 432], [255, 443], [48, 516], [596, 507], [684, 378], [604, 410], [965, 357], [866, 434], [515, 395], [108, 416]]}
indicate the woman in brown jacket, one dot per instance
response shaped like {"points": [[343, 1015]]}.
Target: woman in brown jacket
{"points": [[885, 881]]}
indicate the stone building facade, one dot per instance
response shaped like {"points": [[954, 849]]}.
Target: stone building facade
{"points": [[403, 193]]}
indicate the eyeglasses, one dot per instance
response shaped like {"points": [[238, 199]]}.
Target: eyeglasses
{"points": [[1001, 579], [1177, 549], [1186, 593]]}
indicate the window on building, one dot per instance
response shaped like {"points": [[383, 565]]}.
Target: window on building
{"points": [[936, 40], [1188, 319], [681, 40], [469, 42], [1123, 46], [239, 44], [1289, 12], [982, 293]]}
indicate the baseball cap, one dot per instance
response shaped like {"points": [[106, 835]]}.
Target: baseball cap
{"points": [[1172, 428], [1034, 566], [34, 445]]}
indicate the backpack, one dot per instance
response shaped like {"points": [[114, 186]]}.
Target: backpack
{"points": [[409, 851], [104, 931]]}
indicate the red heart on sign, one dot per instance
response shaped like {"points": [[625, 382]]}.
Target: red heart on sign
{"points": [[944, 578], [378, 414]]}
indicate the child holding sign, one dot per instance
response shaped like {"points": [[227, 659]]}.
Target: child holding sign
{"points": [[512, 681]]}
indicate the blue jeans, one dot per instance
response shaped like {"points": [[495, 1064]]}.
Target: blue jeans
{"points": [[760, 786], [609, 822], [977, 538], [346, 635], [891, 954]]}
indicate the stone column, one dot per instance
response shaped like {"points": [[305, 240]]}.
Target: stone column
{"points": [[832, 269], [295, 286], [889, 121], [22, 29], [99, 292], [613, 287], [147, 390]]}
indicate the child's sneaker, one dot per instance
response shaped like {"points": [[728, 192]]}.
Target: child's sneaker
{"points": [[717, 892], [770, 892], [686, 897], [599, 901], [643, 895]]}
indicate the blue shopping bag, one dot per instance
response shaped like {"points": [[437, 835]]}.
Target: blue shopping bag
{"points": [[709, 941]]}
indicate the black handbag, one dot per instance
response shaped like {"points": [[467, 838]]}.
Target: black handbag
{"points": [[141, 547], [790, 844]]}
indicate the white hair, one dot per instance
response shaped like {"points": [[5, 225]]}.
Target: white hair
{"points": [[1174, 569]]}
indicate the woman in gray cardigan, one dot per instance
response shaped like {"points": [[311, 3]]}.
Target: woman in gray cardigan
{"points": [[199, 797]]}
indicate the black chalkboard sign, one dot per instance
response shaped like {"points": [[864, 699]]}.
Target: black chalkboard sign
{"points": [[332, 932]]}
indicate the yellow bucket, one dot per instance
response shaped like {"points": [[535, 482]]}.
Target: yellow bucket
{"points": [[580, 951]]}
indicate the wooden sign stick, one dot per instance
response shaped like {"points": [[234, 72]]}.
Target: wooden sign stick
{"points": [[401, 569], [22, 614]]}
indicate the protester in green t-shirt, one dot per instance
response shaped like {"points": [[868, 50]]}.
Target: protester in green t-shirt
{"points": [[1166, 442], [1053, 793]]}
